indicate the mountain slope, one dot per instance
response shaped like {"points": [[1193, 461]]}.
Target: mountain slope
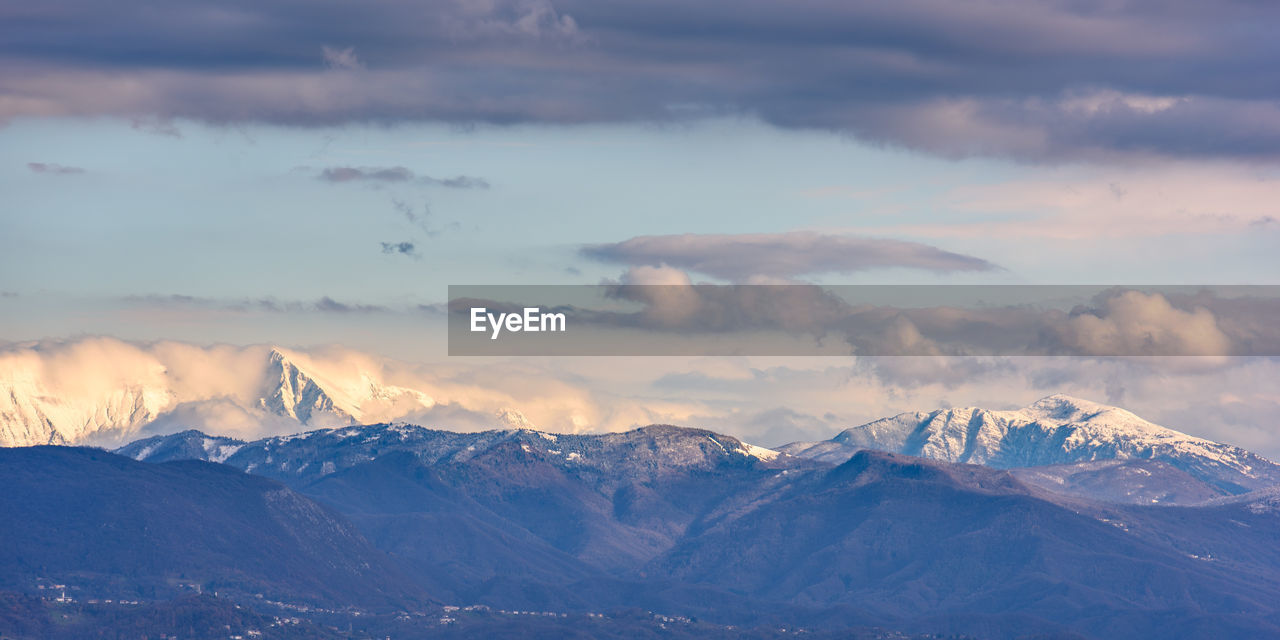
{"points": [[512, 518], [939, 544], [107, 525], [31, 415], [457, 548], [1056, 430], [1132, 481]]}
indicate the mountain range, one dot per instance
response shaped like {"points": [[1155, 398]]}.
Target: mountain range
{"points": [[1059, 444], [700, 524], [1082, 521]]}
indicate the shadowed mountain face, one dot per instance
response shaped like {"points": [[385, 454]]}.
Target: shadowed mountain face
{"points": [[695, 523], [905, 538], [127, 529], [1122, 482]]}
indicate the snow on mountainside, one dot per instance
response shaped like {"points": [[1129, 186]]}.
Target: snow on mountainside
{"points": [[1056, 430], [281, 386], [30, 415], [314, 454]]}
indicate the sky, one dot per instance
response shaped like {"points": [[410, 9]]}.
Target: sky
{"points": [[318, 174]]}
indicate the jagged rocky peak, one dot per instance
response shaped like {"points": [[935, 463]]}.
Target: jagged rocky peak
{"points": [[291, 392]]}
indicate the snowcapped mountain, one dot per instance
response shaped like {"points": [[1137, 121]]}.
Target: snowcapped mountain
{"points": [[266, 385], [294, 394], [1056, 430], [304, 457], [31, 415]]}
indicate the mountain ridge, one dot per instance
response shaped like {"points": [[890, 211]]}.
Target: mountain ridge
{"points": [[302, 456]]}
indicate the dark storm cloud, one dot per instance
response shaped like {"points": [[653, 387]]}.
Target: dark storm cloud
{"points": [[53, 169], [780, 255], [396, 174], [1034, 79]]}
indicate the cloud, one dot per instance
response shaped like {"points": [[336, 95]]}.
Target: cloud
{"points": [[336, 175], [1135, 323], [156, 126], [341, 58], [325, 304], [329, 305], [738, 258], [373, 174], [402, 248], [424, 219], [54, 169], [457, 182], [1039, 80]]}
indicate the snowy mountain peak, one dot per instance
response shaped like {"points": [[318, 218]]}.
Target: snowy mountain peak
{"points": [[316, 396], [1055, 430], [1066, 409], [1064, 406]]}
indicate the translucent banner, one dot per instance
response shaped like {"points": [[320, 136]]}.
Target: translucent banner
{"points": [[867, 320]]}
